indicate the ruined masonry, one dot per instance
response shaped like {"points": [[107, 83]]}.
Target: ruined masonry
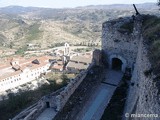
{"points": [[123, 49], [120, 44]]}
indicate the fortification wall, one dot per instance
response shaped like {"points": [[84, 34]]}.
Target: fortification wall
{"points": [[56, 100], [117, 42], [64, 95], [143, 95], [32, 112]]}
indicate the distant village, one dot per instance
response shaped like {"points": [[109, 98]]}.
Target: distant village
{"points": [[17, 71]]}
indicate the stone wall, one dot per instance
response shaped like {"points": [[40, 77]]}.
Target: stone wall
{"points": [[143, 95], [121, 45], [97, 57], [32, 112], [56, 100], [64, 95]]}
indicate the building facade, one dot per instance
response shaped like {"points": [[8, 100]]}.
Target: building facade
{"points": [[21, 71]]}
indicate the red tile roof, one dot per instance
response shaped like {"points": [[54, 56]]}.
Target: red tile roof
{"points": [[24, 63]]}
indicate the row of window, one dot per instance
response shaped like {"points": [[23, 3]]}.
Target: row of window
{"points": [[36, 73], [11, 77], [10, 82], [16, 78]]}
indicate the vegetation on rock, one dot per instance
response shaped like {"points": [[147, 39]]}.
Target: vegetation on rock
{"points": [[151, 28], [127, 27]]}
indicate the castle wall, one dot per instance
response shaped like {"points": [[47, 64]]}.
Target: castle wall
{"points": [[32, 112], [97, 57], [57, 100], [64, 95], [143, 94], [118, 44]]}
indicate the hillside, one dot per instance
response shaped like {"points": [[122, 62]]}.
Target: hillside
{"points": [[45, 26]]}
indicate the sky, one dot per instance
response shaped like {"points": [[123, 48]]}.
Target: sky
{"points": [[67, 3]]}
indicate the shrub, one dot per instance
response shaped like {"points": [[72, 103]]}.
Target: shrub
{"points": [[127, 27], [21, 50]]}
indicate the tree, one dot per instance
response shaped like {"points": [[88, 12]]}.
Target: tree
{"points": [[159, 3]]}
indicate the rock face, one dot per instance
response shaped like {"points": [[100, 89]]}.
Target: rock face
{"points": [[122, 39]]}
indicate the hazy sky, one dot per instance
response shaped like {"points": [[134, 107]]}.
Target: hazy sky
{"points": [[67, 3]]}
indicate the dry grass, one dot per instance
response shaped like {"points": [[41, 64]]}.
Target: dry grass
{"points": [[151, 32]]}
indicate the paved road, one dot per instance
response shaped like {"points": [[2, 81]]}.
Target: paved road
{"points": [[94, 108], [47, 114], [57, 48], [113, 77], [96, 103]]}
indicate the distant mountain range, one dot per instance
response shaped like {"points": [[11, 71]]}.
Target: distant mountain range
{"points": [[22, 10], [123, 6], [48, 26]]}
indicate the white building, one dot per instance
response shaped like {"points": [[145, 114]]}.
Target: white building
{"points": [[21, 71]]}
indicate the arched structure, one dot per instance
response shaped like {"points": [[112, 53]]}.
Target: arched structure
{"points": [[119, 42], [117, 62]]}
